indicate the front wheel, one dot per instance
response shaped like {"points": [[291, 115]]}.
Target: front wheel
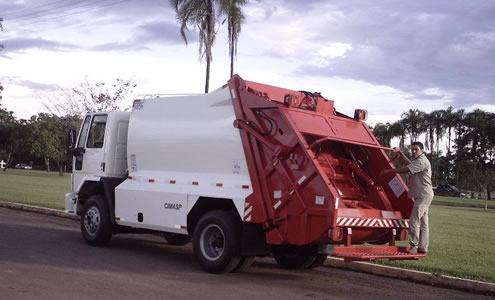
{"points": [[96, 227], [216, 241]]}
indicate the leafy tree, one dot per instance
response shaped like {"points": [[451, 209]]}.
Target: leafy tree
{"points": [[1, 29], [45, 138], [383, 133], [7, 127], [90, 97], [476, 145]]}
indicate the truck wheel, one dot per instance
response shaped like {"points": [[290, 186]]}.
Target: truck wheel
{"points": [[294, 257], [96, 227], [176, 239], [244, 264], [320, 259], [216, 241]]}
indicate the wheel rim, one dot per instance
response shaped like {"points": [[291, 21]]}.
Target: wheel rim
{"points": [[92, 220], [212, 242]]}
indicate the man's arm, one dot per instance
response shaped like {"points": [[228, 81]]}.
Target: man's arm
{"points": [[400, 170]]}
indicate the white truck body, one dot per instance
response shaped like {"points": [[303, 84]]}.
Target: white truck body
{"points": [[166, 173]]}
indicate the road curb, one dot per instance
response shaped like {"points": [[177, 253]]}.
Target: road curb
{"points": [[416, 276], [40, 210], [387, 271]]}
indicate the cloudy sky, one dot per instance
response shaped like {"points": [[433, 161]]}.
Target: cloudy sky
{"points": [[384, 56]]}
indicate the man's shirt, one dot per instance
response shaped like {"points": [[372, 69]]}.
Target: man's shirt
{"points": [[420, 179]]}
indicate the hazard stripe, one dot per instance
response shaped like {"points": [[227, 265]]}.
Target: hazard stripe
{"points": [[248, 211], [369, 222], [349, 222]]}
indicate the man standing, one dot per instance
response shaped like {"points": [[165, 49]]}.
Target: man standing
{"points": [[421, 190]]}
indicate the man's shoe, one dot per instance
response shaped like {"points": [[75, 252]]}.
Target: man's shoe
{"points": [[422, 251], [413, 250]]}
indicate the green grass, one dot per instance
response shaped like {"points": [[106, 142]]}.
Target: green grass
{"points": [[462, 202], [462, 234], [39, 188], [462, 244]]}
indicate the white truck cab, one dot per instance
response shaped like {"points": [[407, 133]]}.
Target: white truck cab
{"points": [[99, 152]]}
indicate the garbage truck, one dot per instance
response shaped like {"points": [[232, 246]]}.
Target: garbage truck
{"points": [[247, 170]]}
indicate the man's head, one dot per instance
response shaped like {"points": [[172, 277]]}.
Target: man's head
{"points": [[417, 149]]}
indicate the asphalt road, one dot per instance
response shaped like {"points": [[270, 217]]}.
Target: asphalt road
{"points": [[44, 257]]}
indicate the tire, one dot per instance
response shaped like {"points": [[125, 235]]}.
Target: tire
{"points": [[244, 264], [96, 227], [294, 257], [176, 239], [320, 259], [216, 242]]}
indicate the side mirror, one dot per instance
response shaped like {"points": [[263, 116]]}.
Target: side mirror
{"points": [[71, 139]]}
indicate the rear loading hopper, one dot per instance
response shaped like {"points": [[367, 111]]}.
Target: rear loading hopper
{"points": [[315, 174]]}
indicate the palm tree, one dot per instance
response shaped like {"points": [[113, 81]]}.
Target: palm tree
{"points": [[200, 13], [450, 122], [414, 121], [232, 8], [383, 133], [398, 129]]}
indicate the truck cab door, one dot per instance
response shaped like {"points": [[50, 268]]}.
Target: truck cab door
{"points": [[89, 154]]}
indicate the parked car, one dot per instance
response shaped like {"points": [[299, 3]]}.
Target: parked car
{"points": [[23, 166], [448, 190]]}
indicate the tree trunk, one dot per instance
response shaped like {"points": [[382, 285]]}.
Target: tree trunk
{"points": [[47, 164], [209, 43], [232, 55], [59, 165], [9, 160], [207, 83]]}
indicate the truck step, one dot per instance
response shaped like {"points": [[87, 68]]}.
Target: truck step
{"points": [[373, 253]]}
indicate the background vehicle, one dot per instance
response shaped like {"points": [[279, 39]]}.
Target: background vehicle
{"points": [[448, 190], [249, 169], [23, 166]]}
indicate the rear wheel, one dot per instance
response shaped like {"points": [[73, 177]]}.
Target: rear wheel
{"points": [[244, 263], [320, 259], [176, 239], [96, 227], [294, 257], [216, 241]]}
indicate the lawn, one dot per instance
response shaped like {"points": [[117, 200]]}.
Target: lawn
{"points": [[462, 202], [31, 187], [462, 233], [462, 244]]}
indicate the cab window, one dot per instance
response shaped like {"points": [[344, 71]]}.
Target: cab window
{"points": [[97, 132], [84, 132]]}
